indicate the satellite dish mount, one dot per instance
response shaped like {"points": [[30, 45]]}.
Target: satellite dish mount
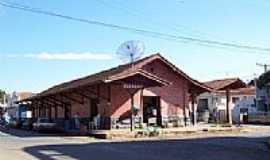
{"points": [[131, 51]]}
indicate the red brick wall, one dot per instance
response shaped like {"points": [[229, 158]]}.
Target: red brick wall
{"points": [[172, 96], [84, 110], [121, 102]]}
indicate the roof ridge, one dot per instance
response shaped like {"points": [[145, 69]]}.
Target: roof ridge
{"points": [[223, 79], [105, 74], [101, 72]]}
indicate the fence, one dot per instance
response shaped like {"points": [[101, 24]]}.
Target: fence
{"points": [[259, 117]]}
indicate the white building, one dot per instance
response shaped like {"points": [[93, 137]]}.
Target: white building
{"points": [[215, 103], [3, 105], [262, 114], [243, 108], [12, 107]]}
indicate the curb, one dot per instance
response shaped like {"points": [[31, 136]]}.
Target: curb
{"points": [[164, 133]]}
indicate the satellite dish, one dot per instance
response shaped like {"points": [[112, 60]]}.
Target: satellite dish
{"points": [[131, 51]]}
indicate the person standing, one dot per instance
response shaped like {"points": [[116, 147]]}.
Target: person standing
{"points": [[77, 121]]}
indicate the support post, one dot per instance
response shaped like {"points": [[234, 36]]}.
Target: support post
{"points": [[141, 105], [98, 93], [50, 112], [109, 93], [194, 110], [184, 106], [33, 113], [33, 110], [43, 109], [185, 115], [39, 110], [131, 113], [228, 109], [55, 111], [101, 121]]}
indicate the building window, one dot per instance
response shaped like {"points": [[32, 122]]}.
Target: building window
{"points": [[203, 104], [235, 99]]}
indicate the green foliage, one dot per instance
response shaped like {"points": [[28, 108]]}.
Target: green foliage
{"points": [[264, 80], [2, 94]]}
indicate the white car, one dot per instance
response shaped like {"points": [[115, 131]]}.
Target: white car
{"points": [[45, 124]]}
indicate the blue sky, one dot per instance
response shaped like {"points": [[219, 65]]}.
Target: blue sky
{"points": [[27, 40]]}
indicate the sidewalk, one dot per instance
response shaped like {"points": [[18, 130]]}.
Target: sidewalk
{"points": [[256, 127], [164, 132]]}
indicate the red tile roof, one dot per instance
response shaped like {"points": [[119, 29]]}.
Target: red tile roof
{"points": [[110, 73], [24, 95], [220, 84], [249, 90]]}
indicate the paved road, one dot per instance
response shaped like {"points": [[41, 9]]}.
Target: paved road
{"points": [[23, 145]]}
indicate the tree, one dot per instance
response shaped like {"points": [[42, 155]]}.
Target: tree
{"points": [[264, 80], [2, 94]]}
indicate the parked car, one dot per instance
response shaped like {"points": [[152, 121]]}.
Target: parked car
{"points": [[45, 124]]}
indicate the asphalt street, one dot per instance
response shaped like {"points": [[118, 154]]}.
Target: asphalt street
{"points": [[22, 145]]}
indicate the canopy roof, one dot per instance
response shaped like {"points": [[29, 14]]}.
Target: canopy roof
{"points": [[123, 72]]}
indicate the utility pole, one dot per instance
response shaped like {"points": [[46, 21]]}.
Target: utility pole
{"points": [[265, 66], [256, 90]]}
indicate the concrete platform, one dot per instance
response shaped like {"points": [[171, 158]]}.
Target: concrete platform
{"points": [[161, 132]]}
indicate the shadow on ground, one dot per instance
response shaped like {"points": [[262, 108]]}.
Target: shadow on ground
{"points": [[215, 148], [26, 133]]}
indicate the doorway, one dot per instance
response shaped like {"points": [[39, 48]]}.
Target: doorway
{"points": [[67, 112], [93, 109], [151, 110], [222, 116], [243, 115]]}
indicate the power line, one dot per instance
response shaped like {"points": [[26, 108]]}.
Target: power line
{"points": [[135, 13], [175, 27], [265, 66], [159, 35]]}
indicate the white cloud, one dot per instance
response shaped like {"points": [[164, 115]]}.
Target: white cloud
{"points": [[2, 11], [65, 56]]}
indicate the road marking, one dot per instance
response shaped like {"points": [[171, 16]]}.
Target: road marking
{"points": [[55, 155]]}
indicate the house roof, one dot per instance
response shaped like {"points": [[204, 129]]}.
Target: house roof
{"points": [[249, 90], [110, 74], [24, 95], [226, 83], [142, 74]]}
